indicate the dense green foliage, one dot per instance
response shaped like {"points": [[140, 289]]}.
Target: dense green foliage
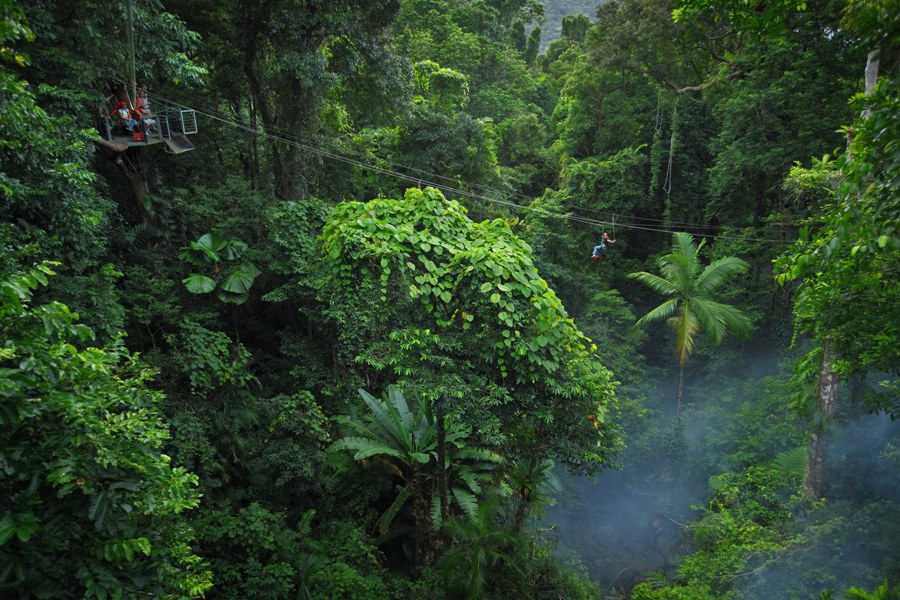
{"points": [[353, 345], [91, 504]]}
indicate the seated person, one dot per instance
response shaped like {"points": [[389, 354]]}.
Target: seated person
{"points": [[123, 117], [142, 110]]}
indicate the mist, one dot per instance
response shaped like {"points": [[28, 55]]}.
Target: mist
{"points": [[624, 525], [621, 530]]}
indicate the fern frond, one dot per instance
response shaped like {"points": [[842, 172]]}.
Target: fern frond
{"points": [[791, 462]]}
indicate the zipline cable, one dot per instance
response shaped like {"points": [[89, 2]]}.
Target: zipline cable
{"points": [[288, 136], [446, 188]]}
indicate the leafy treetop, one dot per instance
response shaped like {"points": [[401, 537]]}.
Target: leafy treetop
{"points": [[423, 257]]}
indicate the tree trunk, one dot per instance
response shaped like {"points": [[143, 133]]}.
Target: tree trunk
{"points": [[442, 462], [680, 391], [872, 63], [261, 104], [139, 189], [814, 477], [525, 493], [254, 146], [424, 534]]}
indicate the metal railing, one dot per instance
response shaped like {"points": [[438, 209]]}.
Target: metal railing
{"points": [[156, 127], [177, 120]]}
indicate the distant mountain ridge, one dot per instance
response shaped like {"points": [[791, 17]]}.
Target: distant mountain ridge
{"points": [[555, 10]]}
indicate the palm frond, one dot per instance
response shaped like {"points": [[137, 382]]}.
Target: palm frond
{"points": [[683, 244], [388, 418], [735, 320], [437, 520], [685, 326], [467, 501], [470, 478], [655, 282], [718, 271], [482, 455], [709, 319], [732, 319], [679, 270], [364, 448], [551, 481], [385, 520], [456, 433], [661, 312], [791, 462]]}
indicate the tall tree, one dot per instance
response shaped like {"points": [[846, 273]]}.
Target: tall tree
{"points": [[278, 62], [762, 66], [691, 305], [468, 296], [847, 268]]}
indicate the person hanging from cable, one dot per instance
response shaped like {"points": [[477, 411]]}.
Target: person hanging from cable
{"points": [[602, 246]]}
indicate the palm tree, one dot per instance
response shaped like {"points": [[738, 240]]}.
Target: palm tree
{"points": [[690, 305], [481, 548], [406, 440]]}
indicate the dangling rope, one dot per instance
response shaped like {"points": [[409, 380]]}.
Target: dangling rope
{"points": [[131, 51], [658, 125], [667, 185]]}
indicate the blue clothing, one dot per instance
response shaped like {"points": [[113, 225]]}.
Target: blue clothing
{"points": [[598, 249]]}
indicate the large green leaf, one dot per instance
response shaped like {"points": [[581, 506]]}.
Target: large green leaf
{"points": [[196, 256], [249, 268], [364, 448], [233, 298], [205, 251], [400, 405], [211, 242], [385, 520], [420, 457], [241, 280], [7, 529], [234, 249], [389, 419], [199, 284]]}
